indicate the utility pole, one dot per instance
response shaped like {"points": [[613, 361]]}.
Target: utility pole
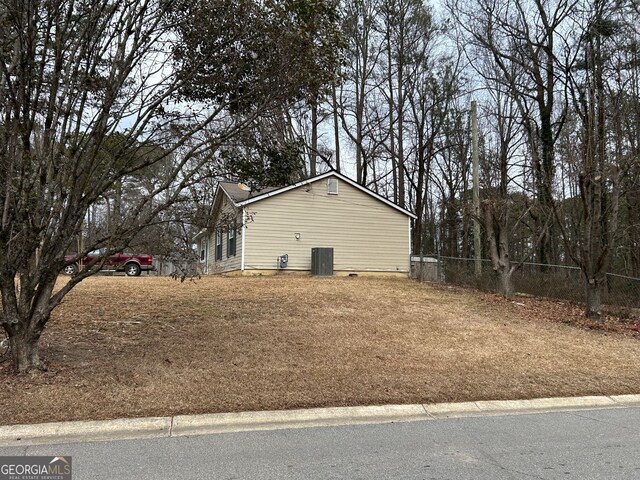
{"points": [[476, 189]]}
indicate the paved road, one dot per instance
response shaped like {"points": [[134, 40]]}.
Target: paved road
{"points": [[594, 444]]}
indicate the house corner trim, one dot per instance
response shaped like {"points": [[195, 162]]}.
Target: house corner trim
{"points": [[244, 233]]}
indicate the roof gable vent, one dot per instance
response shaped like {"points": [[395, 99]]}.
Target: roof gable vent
{"points": [[332, 186]]}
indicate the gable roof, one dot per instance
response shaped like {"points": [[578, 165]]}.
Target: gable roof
{"points": [[241, 197], [238, 194]]}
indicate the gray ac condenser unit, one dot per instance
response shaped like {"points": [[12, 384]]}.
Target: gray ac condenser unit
{"points": [[322, 261]]}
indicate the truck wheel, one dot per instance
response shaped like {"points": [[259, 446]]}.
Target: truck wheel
{"points": [[132, 269], [70, 269]]}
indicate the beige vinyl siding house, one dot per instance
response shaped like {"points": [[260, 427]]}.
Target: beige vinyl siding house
{"points": [[368, 233]]}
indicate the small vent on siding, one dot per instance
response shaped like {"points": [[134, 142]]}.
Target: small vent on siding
{"points": [[332, 186]]}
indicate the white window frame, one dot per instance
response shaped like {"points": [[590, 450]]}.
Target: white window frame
{"points": [[204, 250], [218, 242]]}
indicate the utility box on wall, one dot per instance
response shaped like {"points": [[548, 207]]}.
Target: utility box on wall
{"points": [[322, 262]]}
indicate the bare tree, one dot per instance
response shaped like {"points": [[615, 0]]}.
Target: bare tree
{"points": [[450, 177], [409, 32], [528, 34], [433, 126], [356, 102], [599, 164], [75, 73], [502, 214]]}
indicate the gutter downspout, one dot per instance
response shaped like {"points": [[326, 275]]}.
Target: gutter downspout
{"points": [[244, 232]]}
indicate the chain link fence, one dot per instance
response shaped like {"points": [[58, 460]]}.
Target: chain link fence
{"points": [[553, 281]]}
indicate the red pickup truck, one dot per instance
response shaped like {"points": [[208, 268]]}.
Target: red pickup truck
{"points": [[128, 263]]}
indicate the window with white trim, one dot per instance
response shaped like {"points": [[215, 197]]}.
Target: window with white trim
{"points": [[218, 245], [204, 247], [231, 240]]}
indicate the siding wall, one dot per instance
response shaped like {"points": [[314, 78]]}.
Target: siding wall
{"points": [[227, 264], [366, 234]]}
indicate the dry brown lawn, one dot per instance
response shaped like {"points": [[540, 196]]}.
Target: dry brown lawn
{"points": [[124, 347]]}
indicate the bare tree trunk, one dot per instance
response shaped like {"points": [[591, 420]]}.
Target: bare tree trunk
{"points": [[496, 215], [505, 282], [392, 146], [25, 351], [360, 170], [593, 292], [336, 128], [633, 199], [91, 220], [26, 308], [400, 157], [314, 139], [117, 201]]}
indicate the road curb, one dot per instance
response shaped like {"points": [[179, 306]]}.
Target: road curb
{"points": [[316, 417], [67, 432], [186, 425], [514, 407], [627, 400]]}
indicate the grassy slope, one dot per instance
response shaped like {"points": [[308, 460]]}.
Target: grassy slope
{"points": [[149, 346]]}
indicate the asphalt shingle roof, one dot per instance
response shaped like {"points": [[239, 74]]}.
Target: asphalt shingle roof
{"points": [[238, 194]]}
